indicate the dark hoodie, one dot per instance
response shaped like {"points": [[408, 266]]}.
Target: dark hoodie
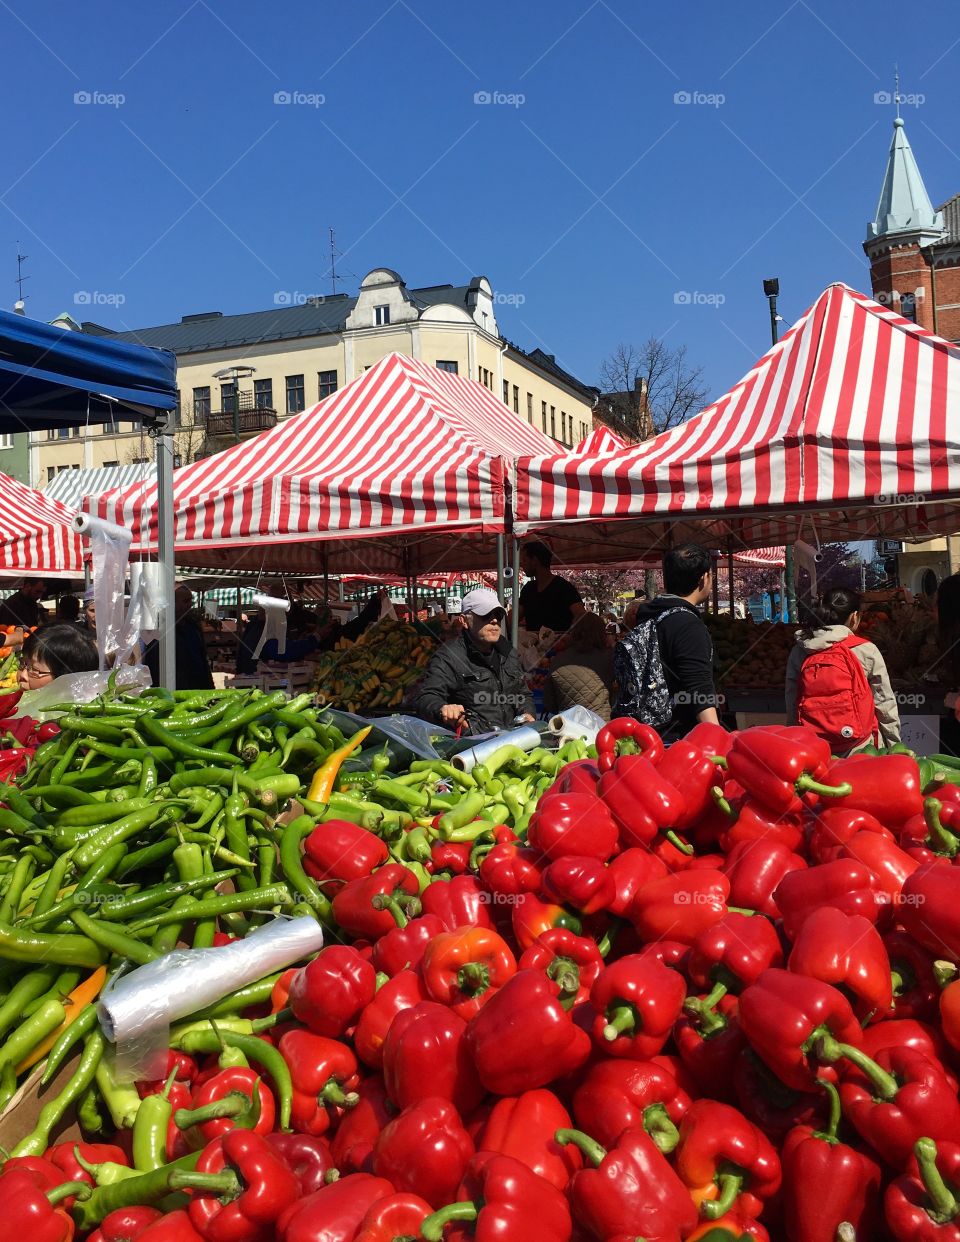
{"points": [[686, 651]]}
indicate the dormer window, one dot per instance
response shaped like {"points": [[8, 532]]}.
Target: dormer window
{"points": [[381, 315]]}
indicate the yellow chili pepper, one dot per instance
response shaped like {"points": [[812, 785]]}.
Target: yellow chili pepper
{"points": [[321, 786], [74, 1004]]}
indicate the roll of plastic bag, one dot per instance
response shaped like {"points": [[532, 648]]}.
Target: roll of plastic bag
{"points": [[136, 1009]]}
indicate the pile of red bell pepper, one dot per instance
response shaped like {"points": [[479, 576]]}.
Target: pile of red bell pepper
{"points": [[19, 736], [710, 993]]}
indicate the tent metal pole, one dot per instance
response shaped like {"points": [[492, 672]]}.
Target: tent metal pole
{"points": [[500, 568], [790, 583], [733, 611], [515, 611], [165, 541]]}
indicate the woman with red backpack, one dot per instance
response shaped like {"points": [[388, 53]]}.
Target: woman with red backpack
{"points": [[837, 683]]}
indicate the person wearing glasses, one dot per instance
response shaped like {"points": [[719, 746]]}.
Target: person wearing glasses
{"points": [[475, 680], [51, 652]]}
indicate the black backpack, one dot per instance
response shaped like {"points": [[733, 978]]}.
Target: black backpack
{"points": [[642, 690]]}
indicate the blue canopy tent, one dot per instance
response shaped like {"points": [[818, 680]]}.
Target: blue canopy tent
{"points": [[54, 377]]}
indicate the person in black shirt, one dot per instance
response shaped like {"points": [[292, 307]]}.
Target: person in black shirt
{"points": [[192, 665], [547, 599], [23, 606]]}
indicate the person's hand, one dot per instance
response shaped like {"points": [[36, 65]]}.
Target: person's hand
{"points": [[527, 718], [452, 713]]}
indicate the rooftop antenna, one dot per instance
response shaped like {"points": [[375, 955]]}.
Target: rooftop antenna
{"points": [[333, 264], [21, 259], [896, 89]]}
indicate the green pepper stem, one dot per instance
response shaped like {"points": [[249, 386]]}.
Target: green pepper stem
{"points": [[942, 840], [333, 1094], [829, 1135], [944, 972], [657, 1123], [79, 1190], [885, 1085], [473, 978], [723, 804], [806, 784], [563, 971], [704, 1012], [593, 1150], [945, 1205], [729, 1185], [677, 842], [619, 1020], [225, 1185], [845, 1232], [230, 1106], [432, 1228]]}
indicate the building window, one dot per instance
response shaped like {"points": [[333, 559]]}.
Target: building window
{"points": [[51, 473], [228, 397], [506, 393], [326, 384], [448, 365], [530, 408], [543, 415], [6, 441], [563, 426], [381, 316], [263, 394], [201, 404], [77, 431], [485, 377], [908, 306], [110, 465], [295, 400], [516, 399], [177, 461], [553, 421], [140, 461]]}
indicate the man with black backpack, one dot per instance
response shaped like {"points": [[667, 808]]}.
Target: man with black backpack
{"points": [[664, 667]]}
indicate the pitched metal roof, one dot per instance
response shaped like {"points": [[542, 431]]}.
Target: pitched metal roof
{"points": [[951, 218], [904, 205]]}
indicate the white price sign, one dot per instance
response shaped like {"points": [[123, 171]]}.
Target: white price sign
{"points": [[921, 733]]}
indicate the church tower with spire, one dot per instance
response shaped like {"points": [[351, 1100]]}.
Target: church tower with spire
{"points": [[914, 248]]}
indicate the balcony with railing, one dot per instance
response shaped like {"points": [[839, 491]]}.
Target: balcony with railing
{"points": [[248, 419]]}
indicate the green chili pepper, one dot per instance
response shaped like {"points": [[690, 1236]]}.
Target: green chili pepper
{"points": [[166, 938], [43, 1022], [89, 1115], [93, 814], [256, 1050], [96, 727], [180, 747], [59, 990], [125, 908], [64, 950], [122, 1100], [119, 831], [30, 987], [22, 875], [252, 994], [149, 1144], [228, 903], [114, 941], [467, 809], [79, 1028], [38, 1140], [292, 866]]}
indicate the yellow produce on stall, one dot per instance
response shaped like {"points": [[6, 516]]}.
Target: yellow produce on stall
{"points": [[376, 671]]}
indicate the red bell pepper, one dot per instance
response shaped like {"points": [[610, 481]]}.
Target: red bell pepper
{"points": [[711, 738], [334, 1213], [525, 1128], [172, 1227], [126, 1224], [846, 951], [530, 918], [399, 1216], [362, 907], [725, 1160], [631, 871], [845, 884], [330, 993], [835, 825], [680, 906], [710, 1042], [671, 953], [355, 1137], [401, 992], [629, 1191], [775, 1108], [583, 883], [499, 1198], [687, 768], [581, 776], [524, 1037], [749, 820], [306, 1156], [573, 823], [226, 1100], [425, 1151], [827, 1182], [426, 1054], [510, 867], [933, 834], [780, 766], [924, 1204], [452, 857], [615, 1096], [890, 864], [755, 869], [33, 1209], [240, 1188], [404, 947], [63, 1157], [930, 909], [463, 969], [637, 1000], [949, 1005], [626, 736], [896, 1099], [904, 1033], [337, 852], [888, 786], [460, 902], [784, 1016], [325, 1077], [557, 951], [643, 803], [734, 951]]}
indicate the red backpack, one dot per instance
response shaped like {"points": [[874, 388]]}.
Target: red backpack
{"points": [[834, 697]]}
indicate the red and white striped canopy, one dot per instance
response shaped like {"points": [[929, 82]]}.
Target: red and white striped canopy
{"points": [[601, 442], [36, 535], [406, 449], [763, 558], [848, 428]]}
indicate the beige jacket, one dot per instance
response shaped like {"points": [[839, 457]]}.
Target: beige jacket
{"points": [[888, 717]]}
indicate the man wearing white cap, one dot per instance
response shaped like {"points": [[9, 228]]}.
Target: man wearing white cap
{"points": [[475, 679]]}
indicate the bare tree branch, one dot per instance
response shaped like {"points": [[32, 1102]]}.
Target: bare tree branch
{"points": [[650, 388]]}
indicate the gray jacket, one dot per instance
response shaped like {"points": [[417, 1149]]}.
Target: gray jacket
{"points": [[491, 687], [888, 717]]}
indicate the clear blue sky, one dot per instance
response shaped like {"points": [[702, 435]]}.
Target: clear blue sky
{"points": [[590, 193]]}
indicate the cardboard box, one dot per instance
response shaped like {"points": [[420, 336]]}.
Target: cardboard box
{"points": [[21, 1114]]}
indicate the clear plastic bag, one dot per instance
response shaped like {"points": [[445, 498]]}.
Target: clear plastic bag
{"points": [[80, 688], [577, 722]]}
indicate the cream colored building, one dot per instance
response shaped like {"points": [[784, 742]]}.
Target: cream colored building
{"points": [[286, 359]]}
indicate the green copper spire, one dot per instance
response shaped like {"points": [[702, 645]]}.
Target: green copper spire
{"points": [[904, 205]]}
